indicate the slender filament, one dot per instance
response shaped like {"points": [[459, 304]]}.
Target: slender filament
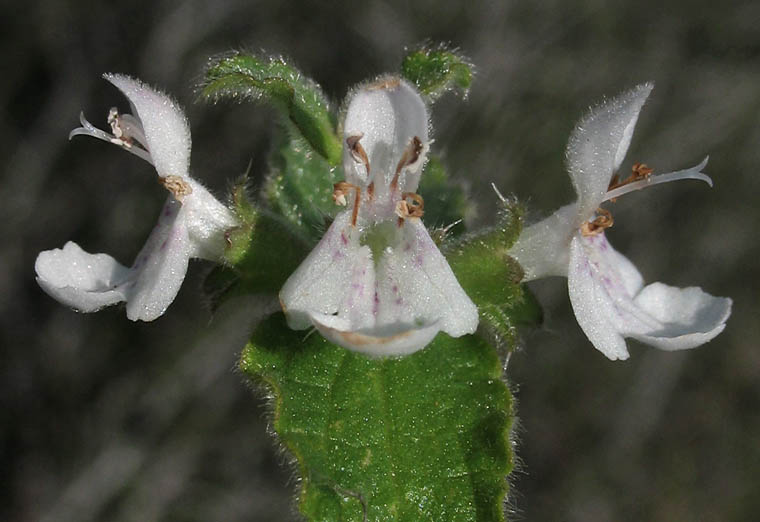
{"points": [[692, 173]]}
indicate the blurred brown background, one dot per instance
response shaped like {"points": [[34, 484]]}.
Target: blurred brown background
{"points": [[104, 419]]}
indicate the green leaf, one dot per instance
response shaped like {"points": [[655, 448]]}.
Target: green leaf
{"points": [[245, 76], [300, 186], [436, 71], [419, 438]]}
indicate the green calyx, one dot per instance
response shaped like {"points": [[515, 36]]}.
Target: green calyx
{"points": [[437, 71]]}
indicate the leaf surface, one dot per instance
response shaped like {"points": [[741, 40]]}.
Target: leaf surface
{"points": [[423, 437]]}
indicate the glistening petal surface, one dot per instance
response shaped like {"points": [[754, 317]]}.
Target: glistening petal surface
{"points": [[330, 279], [161, 265], [415, 283], [390, 340], [598, 145], [388, 114], [689, 316], [542, 248], [596, 309], [166, 129], [389, 306], [85, 282], [610, 303]]}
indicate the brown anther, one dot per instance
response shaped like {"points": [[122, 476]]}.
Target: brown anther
{"points": [[597, 226], [340, 190], [410, 209], [418, 204], [409, 157], [357, 151], [639, 171], [371, 190], [176, 185]]}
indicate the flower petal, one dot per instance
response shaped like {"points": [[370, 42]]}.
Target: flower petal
{"points": [[166, 130], [598, 145], [542, 248], [337, 277], [387, 114], [207, 219], [85, 282], [415, 284], [161, 265], [609, 303], [390, 306], [599, 301], [392, 340], [689, 316]]}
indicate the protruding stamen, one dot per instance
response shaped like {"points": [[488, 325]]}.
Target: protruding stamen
{"points": [[413, 209], [357, 151], [118, 133], [88, 129], [412, 154], [597, 226], [340, 190], [649, 180], [176, 185], [339, 194], [639, 171], [127, 128]]}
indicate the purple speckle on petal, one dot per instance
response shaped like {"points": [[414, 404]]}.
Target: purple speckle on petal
{"points": [[395, 289], [376, 304], [418, 261], [407, 247], [343, 238]]}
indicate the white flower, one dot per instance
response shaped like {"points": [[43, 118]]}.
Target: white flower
{"points": [[606, 291], [376, 283], [191, 224]]}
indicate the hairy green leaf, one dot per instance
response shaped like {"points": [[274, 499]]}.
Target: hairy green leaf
{"points": [[300, 186], [419, 438], [436, 71], [245, 76]]}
